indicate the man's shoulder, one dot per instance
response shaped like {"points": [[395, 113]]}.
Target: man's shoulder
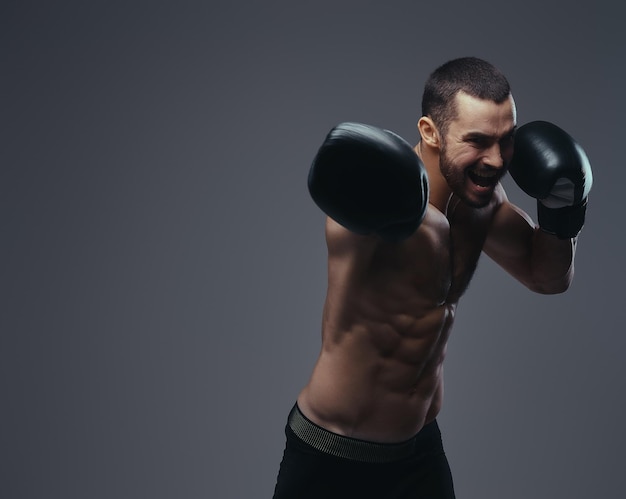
{"points": [[340, 239]]}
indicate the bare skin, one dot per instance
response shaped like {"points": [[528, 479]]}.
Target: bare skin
{"points": [[390, 307]]}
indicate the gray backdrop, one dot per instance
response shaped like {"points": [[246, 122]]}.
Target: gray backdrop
{"points": [[163, 268]]}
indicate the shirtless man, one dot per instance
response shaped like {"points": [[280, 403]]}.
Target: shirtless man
{"points": [[405, 229]]}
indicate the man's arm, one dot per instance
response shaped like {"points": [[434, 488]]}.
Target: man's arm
{"points": [[539, 260], [551, 167]]}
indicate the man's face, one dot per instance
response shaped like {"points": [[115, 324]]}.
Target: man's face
{"points": [[477, 148]]}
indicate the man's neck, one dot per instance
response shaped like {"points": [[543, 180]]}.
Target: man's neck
{"points": [[439, 191]]}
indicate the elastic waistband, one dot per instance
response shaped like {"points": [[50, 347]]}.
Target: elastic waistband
{"points": [[346, 447]]}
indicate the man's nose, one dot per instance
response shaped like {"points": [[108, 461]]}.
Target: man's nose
{"points": [[493, 156]]}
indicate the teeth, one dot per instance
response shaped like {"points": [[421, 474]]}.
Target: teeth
{"points": [[486, 178]]}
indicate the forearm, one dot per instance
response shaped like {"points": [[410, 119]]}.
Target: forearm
{"points": [[551, 263]]}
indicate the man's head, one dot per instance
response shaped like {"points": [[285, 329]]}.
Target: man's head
{"points": [[470, 75], [468, 122]]}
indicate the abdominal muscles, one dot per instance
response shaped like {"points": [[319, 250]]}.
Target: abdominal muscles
{"points": [[380, 380]]}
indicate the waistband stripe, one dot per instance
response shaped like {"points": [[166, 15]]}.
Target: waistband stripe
{"points": [[346, 447]]}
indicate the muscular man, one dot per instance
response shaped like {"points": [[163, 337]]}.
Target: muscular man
{"points": [[405, 229]]}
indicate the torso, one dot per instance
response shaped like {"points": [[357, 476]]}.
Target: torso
{"points": [[387, 318]]}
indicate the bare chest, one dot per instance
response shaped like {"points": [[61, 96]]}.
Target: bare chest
{"points": [[430, 269], [447, 254], [467, 234]]}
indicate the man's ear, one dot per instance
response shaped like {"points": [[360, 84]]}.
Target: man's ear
{"points": [[428, 132]]}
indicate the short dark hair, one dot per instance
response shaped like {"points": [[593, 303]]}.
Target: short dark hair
{"points": [[471, 75]]}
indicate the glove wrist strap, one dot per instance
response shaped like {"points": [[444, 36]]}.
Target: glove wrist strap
{"points": [[564, 222]]}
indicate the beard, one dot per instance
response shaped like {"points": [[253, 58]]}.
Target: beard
{"points": [[460, 182]]}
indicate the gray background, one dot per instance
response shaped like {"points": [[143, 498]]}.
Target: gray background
{"points": [[163, 268]]}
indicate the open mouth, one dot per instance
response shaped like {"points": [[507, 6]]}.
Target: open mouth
{"points": [[485, 178]]}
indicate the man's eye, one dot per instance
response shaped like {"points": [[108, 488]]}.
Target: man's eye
{"points": [[507, 140], [477, 141]]}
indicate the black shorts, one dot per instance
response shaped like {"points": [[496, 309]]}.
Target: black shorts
{"points": [[319, 464]]}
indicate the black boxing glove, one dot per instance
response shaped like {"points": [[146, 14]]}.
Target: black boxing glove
{"points": [[550, 166], [369, 180]]}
